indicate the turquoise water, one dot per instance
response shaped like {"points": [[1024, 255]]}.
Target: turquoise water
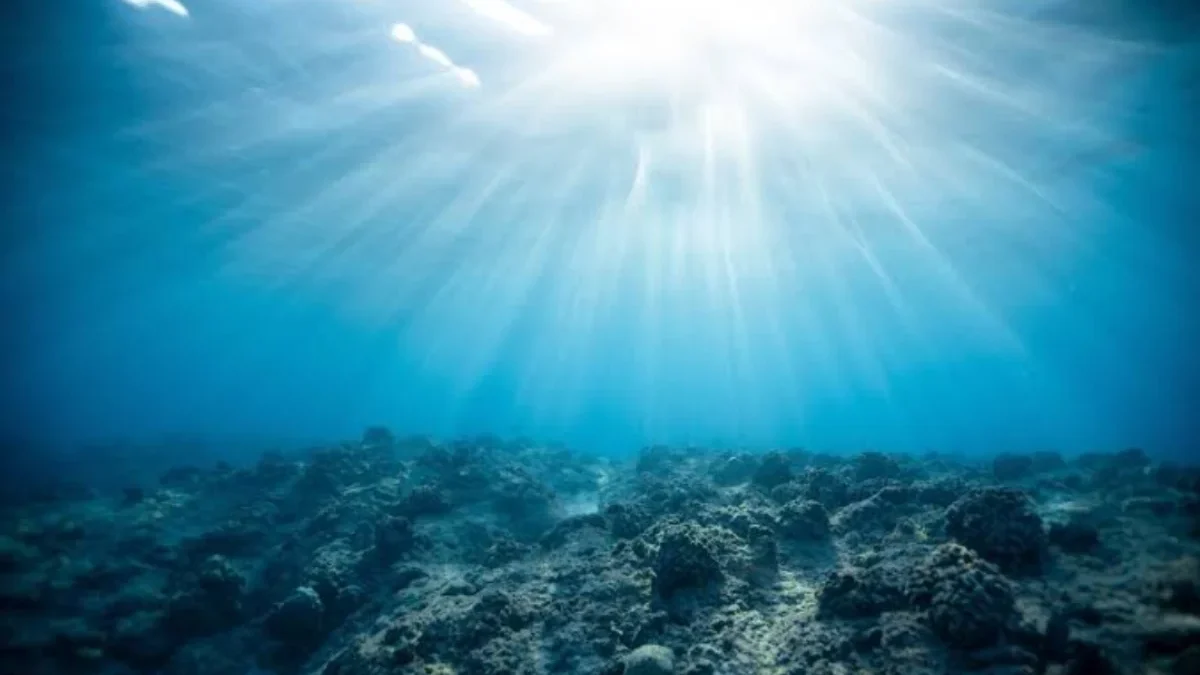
{"points": [[893, 225]]}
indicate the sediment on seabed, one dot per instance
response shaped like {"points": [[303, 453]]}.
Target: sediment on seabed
{"points": [[487, 556]]}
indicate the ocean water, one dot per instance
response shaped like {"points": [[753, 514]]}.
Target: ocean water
{"points": [[600, 337], [912, 225]]}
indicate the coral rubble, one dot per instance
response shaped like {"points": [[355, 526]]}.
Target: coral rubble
{"points": [[485, 556]]}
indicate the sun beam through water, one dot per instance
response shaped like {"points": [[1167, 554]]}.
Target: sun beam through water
{"points": [[807, 180]]}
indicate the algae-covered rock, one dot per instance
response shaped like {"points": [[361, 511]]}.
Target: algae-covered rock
{"points": [[650, 660], [685, 559], [1001, 524], [298, 620], [486, 557], [875, 465], [775, 469], [804, 520], [970, 602]]}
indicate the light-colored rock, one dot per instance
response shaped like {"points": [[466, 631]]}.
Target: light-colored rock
{"points": [[650, 660]]}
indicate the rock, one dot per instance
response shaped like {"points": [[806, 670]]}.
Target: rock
{"points": [[1000, 524], [1131, 458], [1183, 478], [774, 470], [1046, 461], [142, 641], [1170, 633], [394, 537], [1073, 482], [734, 470], [221, 580], [1151, 506], [823, 486], [132, 496], [378, 436], [1005, 655], [685, 560], [942, 492], [525, 499], [1074, 537], [970, 602], [75, 643], [231, 539], [875, 515], [15, 556], [659, 459], [804, 520], [424, 500], [328, 561], [1057, 639], [1125, 460], [863, 592], [650, 660], [564, 529], [181, 476], [494, 614], [1087, 658], [782, 494], [1007, 669], [1177, 586], [1008, 468], [875, 465], [764, 556], [298, 620], [503, 551], [626, 521], [214, 604]]}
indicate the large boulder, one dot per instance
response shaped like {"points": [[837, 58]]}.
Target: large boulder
{"points": [[1001, 525], [1008, 468], [875, 465], [774, 470], [686, 560], [804, 520], [970, 602]]}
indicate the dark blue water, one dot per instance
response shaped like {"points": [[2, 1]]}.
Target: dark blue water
{"points": [[277, 222]]}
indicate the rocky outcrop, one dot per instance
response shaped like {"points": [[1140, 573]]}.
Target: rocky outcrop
{"points": [[489, 556]]}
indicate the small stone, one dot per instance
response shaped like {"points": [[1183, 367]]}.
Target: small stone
{"points": [[297, 620], [650, 660]]}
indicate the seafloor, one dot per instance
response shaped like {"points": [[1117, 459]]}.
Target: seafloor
{"points": [[491, 557]]}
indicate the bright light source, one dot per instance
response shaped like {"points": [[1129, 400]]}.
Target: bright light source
{"points": [[436, 55], [173, 6], [403, 33], [467, 77], [790, 54], [508, 15]]}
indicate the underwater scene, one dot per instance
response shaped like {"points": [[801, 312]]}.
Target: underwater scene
{"points": [[600, 337]]}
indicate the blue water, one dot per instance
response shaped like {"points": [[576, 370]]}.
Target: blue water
{"points": [[274, 221]]}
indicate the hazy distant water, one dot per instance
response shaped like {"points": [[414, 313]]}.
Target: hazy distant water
{"points": [[284, 221]]}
